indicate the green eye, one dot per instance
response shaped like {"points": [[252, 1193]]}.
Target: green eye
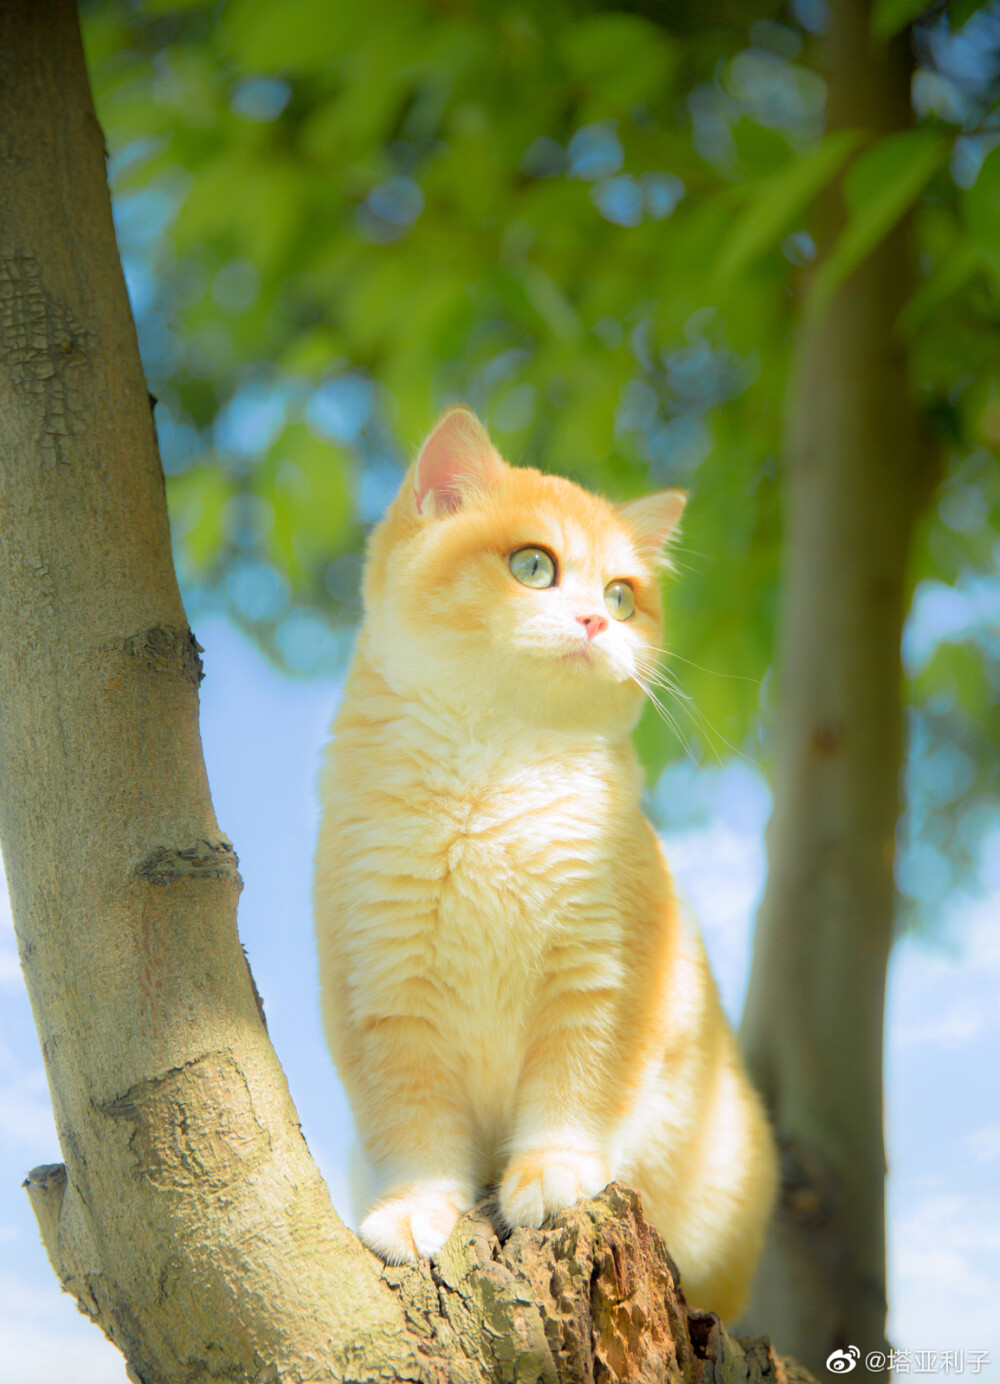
{"points": [[533, 567], [619, 599]]}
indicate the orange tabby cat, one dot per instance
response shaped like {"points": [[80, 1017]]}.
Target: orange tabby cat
{"points": [[509, 992]]}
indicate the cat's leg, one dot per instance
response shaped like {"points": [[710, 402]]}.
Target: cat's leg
{"points": [[710, 1194], [414, 1126], [559, 1149]]}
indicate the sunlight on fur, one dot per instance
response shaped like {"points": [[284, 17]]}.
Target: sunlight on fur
{"points": [[509, 993]]}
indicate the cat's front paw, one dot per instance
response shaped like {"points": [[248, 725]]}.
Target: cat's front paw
{"points": [[546, 1181], [414, 1223]]}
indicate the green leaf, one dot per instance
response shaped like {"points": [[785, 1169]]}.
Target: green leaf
{"points": [[879, 188], [889, 16], [252, 205], [760, 150], [622, 58], [305, 479], [549, 301], [958, 669], [981, 203], [581, 434], [961, 11], [158, 7], [781, 199], [306, 35], [952, 274], [198, 501], [312, 352]]}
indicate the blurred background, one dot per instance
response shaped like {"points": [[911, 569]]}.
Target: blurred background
{"points": [[595, 226]]}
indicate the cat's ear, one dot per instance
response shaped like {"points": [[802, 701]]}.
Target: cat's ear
{"points": [[457, 459], [653, 519]]}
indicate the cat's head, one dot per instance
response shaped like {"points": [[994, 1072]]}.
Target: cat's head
{"points": [[501, 589]]}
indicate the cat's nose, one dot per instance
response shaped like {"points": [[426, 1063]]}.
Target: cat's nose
{"points": [[593, 624]]}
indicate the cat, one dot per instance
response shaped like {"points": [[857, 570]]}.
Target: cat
{"points": [[509, 990]]}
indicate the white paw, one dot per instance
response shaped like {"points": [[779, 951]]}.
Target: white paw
{"points": [[548, 1180], [415, 1223]]}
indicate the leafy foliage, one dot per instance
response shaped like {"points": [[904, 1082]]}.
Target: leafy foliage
{"points": [[335, 219]]}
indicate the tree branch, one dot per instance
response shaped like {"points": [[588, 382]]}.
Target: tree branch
{"points": [[595, 1299]]}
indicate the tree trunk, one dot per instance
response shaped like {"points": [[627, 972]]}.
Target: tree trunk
{"points": [[193, 1223], [189, 1220], [858, 478]]}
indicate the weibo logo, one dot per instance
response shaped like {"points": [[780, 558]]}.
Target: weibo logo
{"points": [[843, 1361]]}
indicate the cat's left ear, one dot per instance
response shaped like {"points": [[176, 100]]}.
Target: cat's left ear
{"points": [[457, 459], [653, 519]]}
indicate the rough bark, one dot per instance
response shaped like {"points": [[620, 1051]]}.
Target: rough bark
{"points": [[593, 1300], [188, 1219], [192, 1222], [858, 476]]}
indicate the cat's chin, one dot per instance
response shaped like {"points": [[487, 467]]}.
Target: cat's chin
{"points": [[575, 654], [571, 693], [585, 660]]}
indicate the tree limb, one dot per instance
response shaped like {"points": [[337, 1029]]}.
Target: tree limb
{"points": [[593, 1300]]}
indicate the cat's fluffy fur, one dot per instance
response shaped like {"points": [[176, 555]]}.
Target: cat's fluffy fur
{"points": [[509, 992]]}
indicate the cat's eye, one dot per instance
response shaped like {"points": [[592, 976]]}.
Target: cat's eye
{"points": [[619, 599], [533, 567]]}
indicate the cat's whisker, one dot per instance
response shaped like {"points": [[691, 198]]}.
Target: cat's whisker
{"points": [[709, 729], [658, 676], [735, 677], [674, 566], [663, 678], [691, 552], [668, 718]]}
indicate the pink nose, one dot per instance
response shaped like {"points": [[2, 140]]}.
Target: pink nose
{"points": [[593, 624]]}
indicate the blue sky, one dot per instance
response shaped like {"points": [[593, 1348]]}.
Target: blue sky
{"points": [[262, 734]]}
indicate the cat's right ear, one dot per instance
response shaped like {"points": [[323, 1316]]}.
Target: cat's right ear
{"points": [[653, 520], [457, 459]]}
